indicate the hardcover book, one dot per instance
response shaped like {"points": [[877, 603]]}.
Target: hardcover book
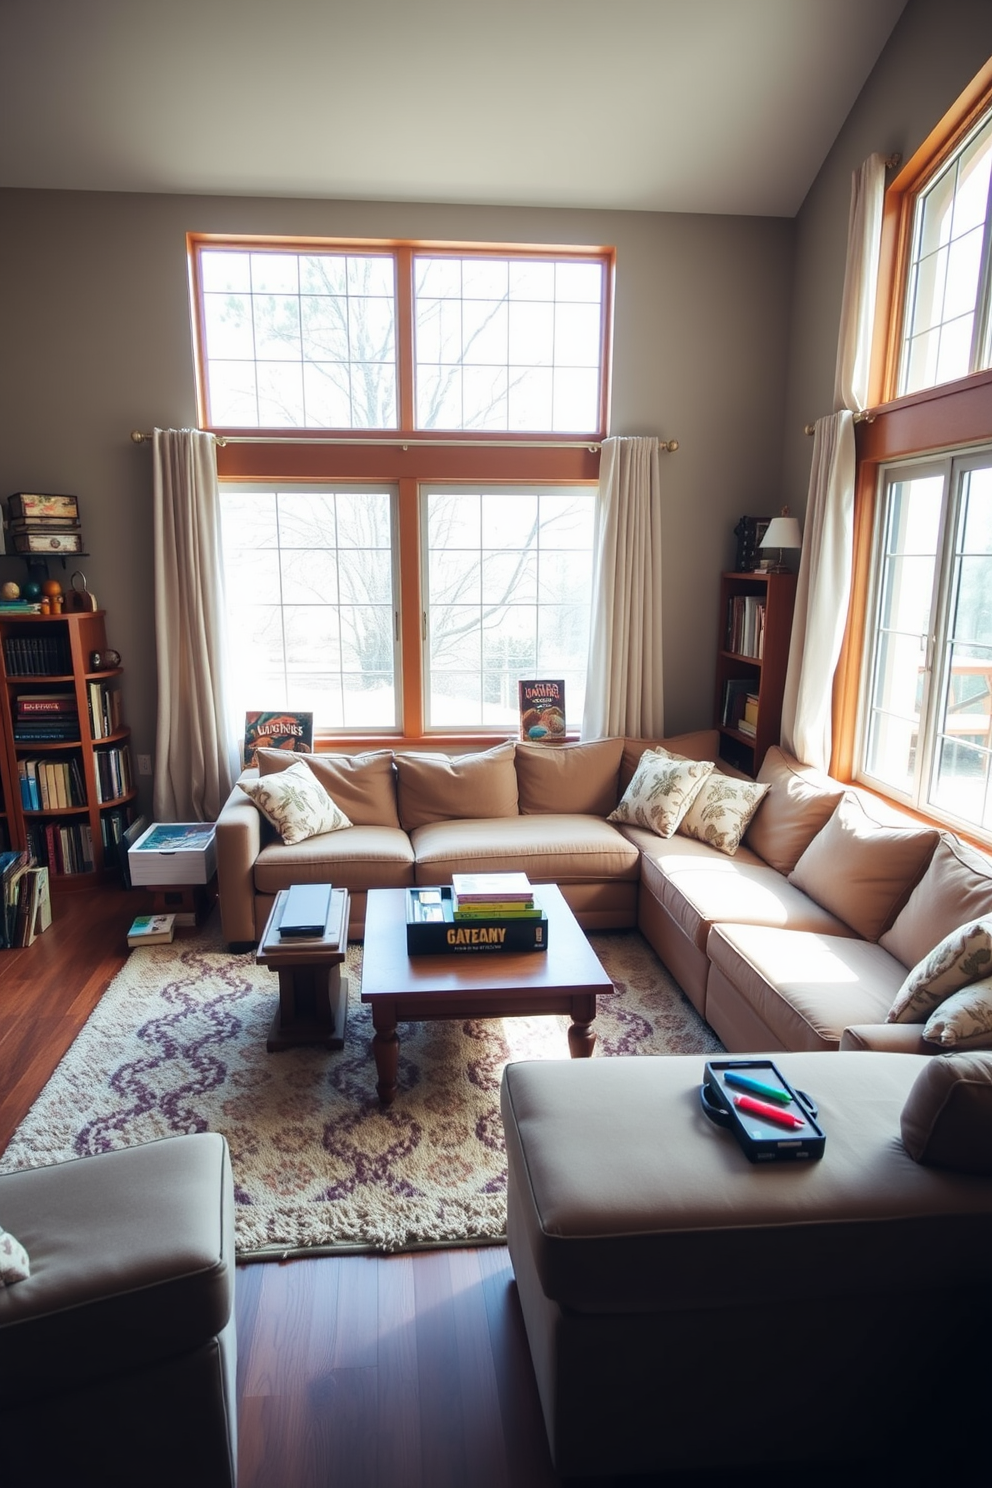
{"points": [[542, 711], [291, 731], [151, 930]]}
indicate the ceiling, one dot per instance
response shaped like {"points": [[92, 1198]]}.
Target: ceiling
{"points": [[644, 105]]}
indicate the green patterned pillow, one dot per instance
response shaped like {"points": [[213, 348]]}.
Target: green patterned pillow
{"points": [[962, 957], [722, 810], [661, 791], [296, 804], [963, 1020]]}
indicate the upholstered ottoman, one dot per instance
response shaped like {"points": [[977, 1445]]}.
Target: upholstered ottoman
{"points": [[686, 1308], [117, 1353]]}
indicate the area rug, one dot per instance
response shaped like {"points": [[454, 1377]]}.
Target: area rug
{"points": [[177, 1044]]}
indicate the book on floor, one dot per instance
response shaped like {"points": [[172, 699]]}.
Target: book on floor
{"points": [[151, 930]]}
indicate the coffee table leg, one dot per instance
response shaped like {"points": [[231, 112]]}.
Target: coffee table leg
{"points": [[581, 1034], [386, 1048]]}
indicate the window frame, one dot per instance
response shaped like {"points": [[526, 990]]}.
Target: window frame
{"points": [[407, 458], [950, 418]]}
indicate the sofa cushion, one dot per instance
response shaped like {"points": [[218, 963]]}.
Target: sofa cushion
{"points": [[663, 788], [580, 778], [699, 887], [947, 1118], [861, 869], [963, 956], [721, 810], [296, 804], [438, 787], [956, 888], [800, 802], [361, 858], [621, 1221], [549, 849], [363, 785], [805, 987], [700, 744], [963, 1020]]}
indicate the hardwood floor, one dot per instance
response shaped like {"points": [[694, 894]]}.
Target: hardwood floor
{"points": [[407, 1371]]}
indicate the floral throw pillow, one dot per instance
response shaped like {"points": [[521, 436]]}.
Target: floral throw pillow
{"points": [[962, 957], [296, 804], [662, 789], [722, 810], [963, 1020], [14, 1264]]}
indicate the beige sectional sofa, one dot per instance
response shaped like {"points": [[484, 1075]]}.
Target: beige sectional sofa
{"points": [[798, 940]]}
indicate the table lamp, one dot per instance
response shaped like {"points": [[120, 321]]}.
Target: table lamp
{"points": [[781, 532]]}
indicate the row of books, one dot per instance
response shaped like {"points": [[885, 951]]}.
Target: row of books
{"points": [[746, 625], [37, 656], [113, 772], [105, 709], [62, 847], [740, 704], [45, 717], [27, 902], [51, 784]]}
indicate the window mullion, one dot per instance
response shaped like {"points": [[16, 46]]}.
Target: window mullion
{"points": [[405, 337]]}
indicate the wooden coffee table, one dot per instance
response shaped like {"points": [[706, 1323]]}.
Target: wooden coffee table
{"points": [[566, 978], [313, 995]]}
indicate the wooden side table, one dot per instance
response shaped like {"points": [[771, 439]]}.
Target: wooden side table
{"points": [[313, 995]]}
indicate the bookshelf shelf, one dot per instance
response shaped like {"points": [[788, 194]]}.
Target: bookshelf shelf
{"points": [[73, 766], [755, 619]]}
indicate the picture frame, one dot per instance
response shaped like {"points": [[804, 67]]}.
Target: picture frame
{"points": [[749, 532]]}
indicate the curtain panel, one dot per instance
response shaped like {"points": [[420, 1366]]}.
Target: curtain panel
{"points": [[624, 693], [195, 756], [823, 590]]}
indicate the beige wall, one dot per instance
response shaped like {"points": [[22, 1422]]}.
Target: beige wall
{"points": [[96, 341], [935, 50]]}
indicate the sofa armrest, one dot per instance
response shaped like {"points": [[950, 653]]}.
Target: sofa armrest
{"points": [[890, 1038], [239, 841]]}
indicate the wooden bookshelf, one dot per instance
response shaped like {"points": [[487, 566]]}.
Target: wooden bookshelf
{"points": [[50, 655], [755, 620]]}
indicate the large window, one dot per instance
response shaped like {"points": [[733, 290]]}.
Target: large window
{"points": [[386, 338], [927, 715], [409, 457]]}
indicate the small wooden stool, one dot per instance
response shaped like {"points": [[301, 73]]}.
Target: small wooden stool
{"points": [[313, 995]]}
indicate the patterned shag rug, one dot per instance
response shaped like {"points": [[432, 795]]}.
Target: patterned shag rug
{"points": [[177, 1044]]}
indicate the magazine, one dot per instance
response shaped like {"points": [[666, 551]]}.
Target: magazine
{"points": [[292, 731], [542, 711]]}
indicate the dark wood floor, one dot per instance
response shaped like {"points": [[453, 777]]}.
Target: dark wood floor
{"points": [[408, 1371]]}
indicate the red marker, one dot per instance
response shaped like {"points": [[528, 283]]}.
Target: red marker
{"points": [[770, 1113]]}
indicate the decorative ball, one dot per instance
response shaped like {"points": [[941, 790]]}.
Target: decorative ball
{"points": [[10, 590], [52, 588], [32, 591]]}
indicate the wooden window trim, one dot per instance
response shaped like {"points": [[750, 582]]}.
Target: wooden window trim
{"points": [[403, 252]]}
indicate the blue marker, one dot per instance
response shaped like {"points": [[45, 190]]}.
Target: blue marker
{"points": [[769, 1092]]}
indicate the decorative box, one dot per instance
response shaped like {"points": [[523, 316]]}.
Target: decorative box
{"points": [[174, 853], [47, 542], [21, 504], [432, 930]]}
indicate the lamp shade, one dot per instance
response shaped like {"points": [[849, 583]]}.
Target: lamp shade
{"points": [[782, 532]]}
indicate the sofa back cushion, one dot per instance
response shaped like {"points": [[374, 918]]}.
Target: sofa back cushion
{"points": [[568, 779], [947, 1118], [363, 785], [436, 787], [861, 869], [701, 744], [799, 803], [956, 888]]}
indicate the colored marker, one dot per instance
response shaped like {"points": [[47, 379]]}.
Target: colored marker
{"points": [[770, 1113], [769, 1092]]}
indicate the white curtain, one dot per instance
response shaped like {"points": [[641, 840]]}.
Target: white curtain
{"points": [[824, 584], [195, 757], [624, 681]]}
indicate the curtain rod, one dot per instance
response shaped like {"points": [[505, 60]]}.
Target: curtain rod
{"points": [[665, 446]]}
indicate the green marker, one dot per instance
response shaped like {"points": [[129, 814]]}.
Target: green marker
{"points": [[769, 1092]]}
